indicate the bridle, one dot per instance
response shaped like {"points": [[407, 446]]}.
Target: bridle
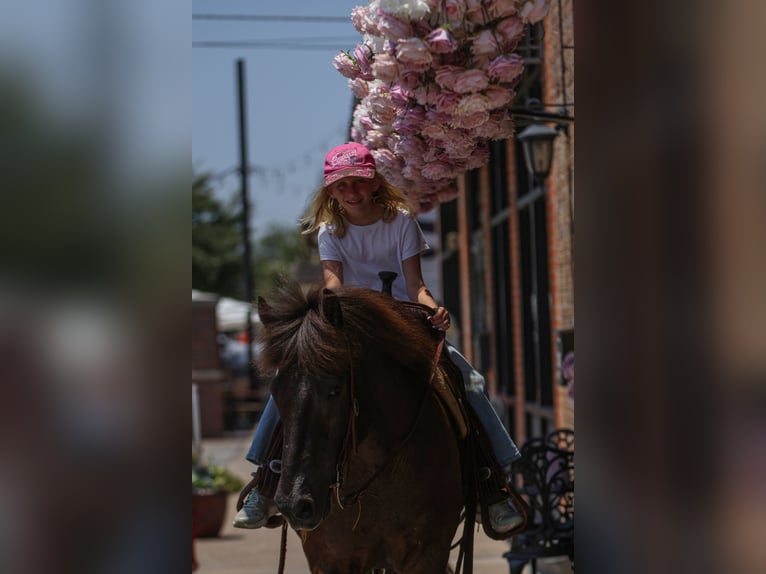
{"points": [[350, 442]]}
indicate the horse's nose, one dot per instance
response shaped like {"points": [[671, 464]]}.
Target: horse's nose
{"points": [[301, 508], [304, 509]]}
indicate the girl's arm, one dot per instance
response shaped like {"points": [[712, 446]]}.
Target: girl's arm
{"points": [[417, 291], [333, 274]]}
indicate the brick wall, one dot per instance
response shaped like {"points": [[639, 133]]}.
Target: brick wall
{"points": [[559, 88]]}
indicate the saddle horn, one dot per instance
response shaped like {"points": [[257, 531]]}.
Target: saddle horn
{"points": [[387, 277]]}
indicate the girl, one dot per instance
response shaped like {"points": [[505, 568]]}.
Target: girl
{"points": [[367, 226]]}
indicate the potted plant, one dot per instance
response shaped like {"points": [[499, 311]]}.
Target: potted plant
{"points": [[211, 486]]}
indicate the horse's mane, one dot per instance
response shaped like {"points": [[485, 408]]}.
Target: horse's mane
{"points": [[297, 332]]}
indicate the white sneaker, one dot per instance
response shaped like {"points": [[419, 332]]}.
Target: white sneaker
{"points": [[503, 517], [255, 512]]}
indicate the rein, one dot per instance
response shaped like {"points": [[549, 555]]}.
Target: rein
{"points": [[350, 444]]}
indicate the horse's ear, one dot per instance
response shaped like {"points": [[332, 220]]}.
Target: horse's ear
{"points": [[265, 311], [331, 308]]}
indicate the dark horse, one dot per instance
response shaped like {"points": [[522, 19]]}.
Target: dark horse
{"points": [[371, 475]]}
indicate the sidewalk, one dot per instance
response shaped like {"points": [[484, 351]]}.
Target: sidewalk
{"points": [[239, 551]]}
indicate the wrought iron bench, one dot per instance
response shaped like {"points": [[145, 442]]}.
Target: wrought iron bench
{"points": [[545, 479]]}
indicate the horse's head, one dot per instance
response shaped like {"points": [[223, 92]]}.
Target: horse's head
{"points": [[304, 340]]}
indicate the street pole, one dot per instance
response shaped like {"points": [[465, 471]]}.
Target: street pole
{"points": [[244, 176]]}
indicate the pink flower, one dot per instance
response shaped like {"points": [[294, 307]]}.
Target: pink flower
{"points": [[421, 28], [411, 172], [478, 17], [459, 149], [363, 57], [366, 121], [394, 28], [410, 79], [535, 10], [505, 68], [438, 170], [501, 8], [346, 65], [454, 9], [446, 76], [471, 5], [399, 96], [510, 31], [425, 95], [412, 9], [410, 147], [385, 68], [441, 41], [470, 121], [358, 87], [435, 130], [409, 121], [498, 127], [413, 51], [374, 139], [479, 157], [485, 44], [434, 115], [384, 158], [363, 22], [447, 101], [471, 104], [471, 81], [381, 108], [497, 96]]}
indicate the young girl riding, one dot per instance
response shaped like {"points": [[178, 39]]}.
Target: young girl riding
{"points": [[366, 226]]}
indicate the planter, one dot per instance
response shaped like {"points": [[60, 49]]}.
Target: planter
{"points": [[208, 512]]}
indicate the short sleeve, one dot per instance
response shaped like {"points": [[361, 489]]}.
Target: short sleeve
{"points": [[413, 240], [328, 249]]}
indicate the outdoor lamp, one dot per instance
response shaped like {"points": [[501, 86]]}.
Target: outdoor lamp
{"points": [[537, 140]]}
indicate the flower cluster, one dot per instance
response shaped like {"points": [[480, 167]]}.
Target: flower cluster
{"points": [[434, 79]]}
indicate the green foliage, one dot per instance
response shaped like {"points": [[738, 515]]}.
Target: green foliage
{"points": [[217, 247], [216, 242], [276, 256], [215, 478]]}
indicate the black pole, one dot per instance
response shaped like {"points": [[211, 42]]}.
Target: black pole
{"points": [[244, 172]]}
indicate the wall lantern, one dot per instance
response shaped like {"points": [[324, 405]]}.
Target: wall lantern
{"points": [[537, 140]]}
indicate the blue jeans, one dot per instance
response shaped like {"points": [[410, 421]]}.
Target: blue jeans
{"points": [[503, 446], [263, 432]]}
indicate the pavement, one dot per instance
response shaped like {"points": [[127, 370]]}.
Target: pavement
{"points": [[238, 551]]}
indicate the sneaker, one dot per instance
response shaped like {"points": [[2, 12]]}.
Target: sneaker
{"points": [[503, 517], [255, 512]]}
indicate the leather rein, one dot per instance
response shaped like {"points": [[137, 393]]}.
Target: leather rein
{"points": [[350, 443]]}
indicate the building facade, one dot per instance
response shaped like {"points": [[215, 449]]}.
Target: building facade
{"points": [[507, 244]]}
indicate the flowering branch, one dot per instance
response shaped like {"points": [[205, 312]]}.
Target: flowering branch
{"points": [[434, 79]]}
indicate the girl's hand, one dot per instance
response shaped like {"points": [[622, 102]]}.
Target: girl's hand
{"points": [[440, 319]]}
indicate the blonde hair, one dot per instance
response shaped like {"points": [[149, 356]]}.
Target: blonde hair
{"points": [[325, 209]]}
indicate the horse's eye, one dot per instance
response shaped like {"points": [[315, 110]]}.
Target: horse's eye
{"points": [[333, 392]]}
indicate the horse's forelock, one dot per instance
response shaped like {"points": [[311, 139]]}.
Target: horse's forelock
{"points": [[298, 335]]}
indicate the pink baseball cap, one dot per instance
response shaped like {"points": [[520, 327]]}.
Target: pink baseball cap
{"points": [[349, 159]]}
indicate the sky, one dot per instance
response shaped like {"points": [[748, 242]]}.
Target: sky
{"points": [[297, 105]]}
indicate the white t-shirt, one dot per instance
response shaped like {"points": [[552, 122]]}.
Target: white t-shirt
{"points": [[366, 250]]}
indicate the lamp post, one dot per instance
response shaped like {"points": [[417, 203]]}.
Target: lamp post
{"points": [[537, 142]]}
